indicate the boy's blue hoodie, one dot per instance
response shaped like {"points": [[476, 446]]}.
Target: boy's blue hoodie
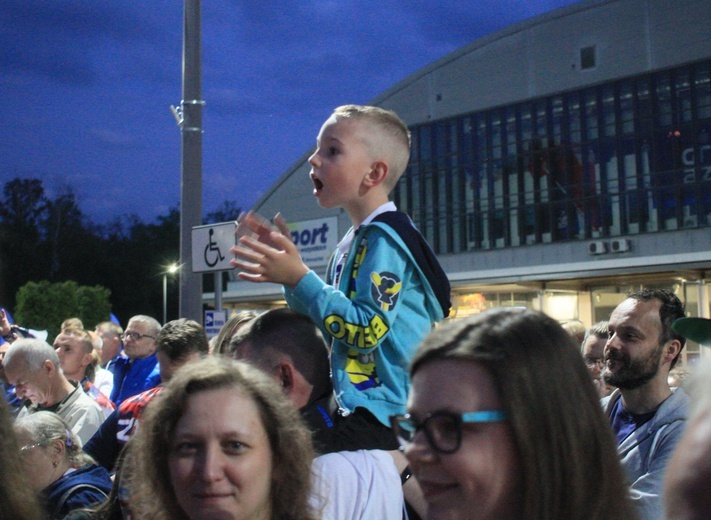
{"points": [[390, 294]]}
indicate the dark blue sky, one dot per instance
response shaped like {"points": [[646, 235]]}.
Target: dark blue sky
{"points": [[86, 86]]}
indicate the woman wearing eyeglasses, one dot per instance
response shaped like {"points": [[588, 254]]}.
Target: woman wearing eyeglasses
{"points": [[504, 422], [17, 501], [59, 471]]}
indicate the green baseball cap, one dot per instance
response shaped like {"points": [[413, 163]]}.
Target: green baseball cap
{"points": [[695, 329]]}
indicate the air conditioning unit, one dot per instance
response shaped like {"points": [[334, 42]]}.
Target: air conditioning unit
{"points": [[620, 245], [597, 247]]}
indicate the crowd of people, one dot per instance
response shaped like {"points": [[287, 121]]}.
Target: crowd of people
{"points": [[356, 402], [255, 429]]}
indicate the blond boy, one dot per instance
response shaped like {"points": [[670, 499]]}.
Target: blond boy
{"points": [[384, 290]]}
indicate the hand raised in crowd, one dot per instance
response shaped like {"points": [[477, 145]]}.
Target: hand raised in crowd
{"points": [[5, 326], [254, 225], [272, 257]]}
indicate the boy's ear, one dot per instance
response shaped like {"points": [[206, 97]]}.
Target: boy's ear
{"points": [[377, 174]]}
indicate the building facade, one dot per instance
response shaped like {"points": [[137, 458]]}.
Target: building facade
{"points": [[555, 165]]}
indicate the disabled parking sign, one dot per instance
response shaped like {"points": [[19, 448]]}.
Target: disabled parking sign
{"points": [[211, 247]]}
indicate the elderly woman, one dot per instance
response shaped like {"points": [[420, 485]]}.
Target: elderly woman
{"points": [[504, 422], [221, 442], [17, 500], [60, 472]]}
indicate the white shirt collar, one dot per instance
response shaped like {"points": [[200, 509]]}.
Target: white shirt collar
{"points": [[345, 243]]}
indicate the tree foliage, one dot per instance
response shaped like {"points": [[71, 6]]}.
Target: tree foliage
{"points": [[44, 305], [22, 212], [225, 212], [49, 241]]}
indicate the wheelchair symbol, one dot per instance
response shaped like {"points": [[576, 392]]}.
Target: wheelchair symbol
{"points": [[212, 247]]}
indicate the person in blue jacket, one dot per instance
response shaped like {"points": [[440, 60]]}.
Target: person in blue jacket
{"points": [[139, 370], [60, 472], [385, 289]]}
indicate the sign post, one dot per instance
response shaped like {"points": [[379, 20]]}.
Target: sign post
{"points": [[211, 246], [211, 253]]}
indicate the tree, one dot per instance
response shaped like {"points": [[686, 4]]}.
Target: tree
{"points": [[93, 304], [51, 240], [227, 211], [138, 258], [24, 204], [22, 212], [65, 233], [44, 305]]}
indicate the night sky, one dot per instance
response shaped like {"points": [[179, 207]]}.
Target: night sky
{"points": [[86, 86]]}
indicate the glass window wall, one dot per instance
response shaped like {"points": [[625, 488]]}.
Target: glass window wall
{"points": [[631, 156]]}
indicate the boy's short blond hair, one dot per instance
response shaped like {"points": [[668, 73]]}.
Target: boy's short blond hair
{"points": [[393, 140]]}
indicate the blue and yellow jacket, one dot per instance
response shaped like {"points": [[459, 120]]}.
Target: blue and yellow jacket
{"points": [[390, 294]]}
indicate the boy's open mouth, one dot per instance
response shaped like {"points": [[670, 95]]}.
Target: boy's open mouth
{"points": [[317, 184]]}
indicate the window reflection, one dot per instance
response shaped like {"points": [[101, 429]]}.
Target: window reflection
{"points": [[631, 156]]}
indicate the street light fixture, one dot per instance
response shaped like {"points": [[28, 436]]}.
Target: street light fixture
{"points": [[170, 269]]}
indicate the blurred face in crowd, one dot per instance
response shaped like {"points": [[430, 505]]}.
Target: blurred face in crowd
{"points": [[633, 351], [220, 458], [481, 479], [593, 354], [74, 355], [35, 385], [138, 341], [111, 344]]}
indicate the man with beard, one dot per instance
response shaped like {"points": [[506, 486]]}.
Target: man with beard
{"points": [[647, 417]]}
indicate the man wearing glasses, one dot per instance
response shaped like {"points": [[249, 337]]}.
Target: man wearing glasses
{"points": [[593, 351], [139, 370]]}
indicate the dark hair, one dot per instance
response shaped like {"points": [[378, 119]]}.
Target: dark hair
{"points": [[151, 491], [179, 339], [670, 310], [285, 331], [568, 457]]}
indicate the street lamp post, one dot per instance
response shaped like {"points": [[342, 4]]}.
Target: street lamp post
{"points": [[171, 269]]}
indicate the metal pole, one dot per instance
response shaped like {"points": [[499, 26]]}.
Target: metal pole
{"points": [[165, 298], [191, 164], [218, 291]]}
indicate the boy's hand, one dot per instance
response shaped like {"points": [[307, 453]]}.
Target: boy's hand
{"points": [[254, 225], [277, 261], [280, 223]]}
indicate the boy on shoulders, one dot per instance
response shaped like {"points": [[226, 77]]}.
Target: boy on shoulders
{"points": [[385, 289]]}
